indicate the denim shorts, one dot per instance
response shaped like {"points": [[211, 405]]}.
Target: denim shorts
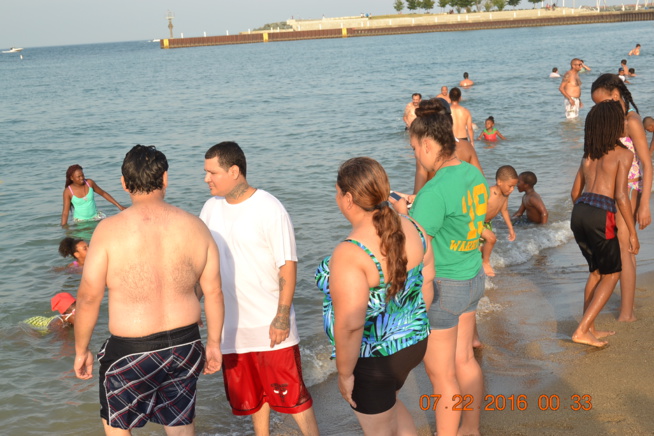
{"points": [[453, 298]]}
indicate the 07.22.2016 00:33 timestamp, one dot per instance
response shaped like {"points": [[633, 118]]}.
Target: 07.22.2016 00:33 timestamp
{"points": [[510, 402]]}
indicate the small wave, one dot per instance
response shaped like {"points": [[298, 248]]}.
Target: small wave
{"points": [[488, 284], [485, 306], [530, 240], [316, 364]]}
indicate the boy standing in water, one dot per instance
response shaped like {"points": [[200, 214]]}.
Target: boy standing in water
{"points": [[602, 177], [531, 201], [506, 178]]}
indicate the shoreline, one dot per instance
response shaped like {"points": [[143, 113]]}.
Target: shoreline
{"points": [[563, 387], [357, 27]]}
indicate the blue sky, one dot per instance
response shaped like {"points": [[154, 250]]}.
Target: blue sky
{"points": [[33, 23]]}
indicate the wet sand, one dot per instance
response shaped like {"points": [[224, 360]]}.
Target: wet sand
{"points": [[528, 353]]}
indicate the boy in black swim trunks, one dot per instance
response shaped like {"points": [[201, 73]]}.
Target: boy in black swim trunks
{"points": [[600, 184]]}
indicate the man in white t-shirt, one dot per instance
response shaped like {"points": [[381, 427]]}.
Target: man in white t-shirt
{"points": [[255, 237]]}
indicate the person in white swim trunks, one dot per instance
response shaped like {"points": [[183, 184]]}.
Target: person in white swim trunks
{"points": [[571, 89]]}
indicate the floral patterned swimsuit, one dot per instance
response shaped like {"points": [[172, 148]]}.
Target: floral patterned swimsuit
{"points": [[390, 326], [635, 180]]}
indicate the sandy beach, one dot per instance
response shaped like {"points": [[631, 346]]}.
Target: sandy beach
{"points": [[563, 387]]}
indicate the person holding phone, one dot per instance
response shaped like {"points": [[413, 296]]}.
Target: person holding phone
{"points": [[377, 285], [451, 207]]}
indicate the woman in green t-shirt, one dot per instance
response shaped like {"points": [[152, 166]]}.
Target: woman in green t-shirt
{"points": [[451, 207]]}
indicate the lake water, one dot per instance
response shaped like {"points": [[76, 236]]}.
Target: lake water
{"points": [[298, 109]]}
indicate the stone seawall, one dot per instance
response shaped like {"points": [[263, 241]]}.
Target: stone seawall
{"points": [[352, 26]]}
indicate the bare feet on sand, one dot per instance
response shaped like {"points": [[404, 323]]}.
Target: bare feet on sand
{"points": [[488, 269], [588, 339], [631, 318]]}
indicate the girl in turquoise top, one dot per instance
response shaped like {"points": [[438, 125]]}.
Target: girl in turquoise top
{"points": [[79, 192], [451, 207], [376, 284]]}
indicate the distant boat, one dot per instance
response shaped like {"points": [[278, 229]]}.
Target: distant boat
{"points": [[155, 40], [13, 50]]}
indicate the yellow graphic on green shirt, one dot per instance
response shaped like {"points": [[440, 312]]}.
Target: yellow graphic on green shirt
{"points": [[473, 204]]}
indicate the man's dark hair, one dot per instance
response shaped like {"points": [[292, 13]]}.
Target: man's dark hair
{"points": [[455, 94], [143, 169], [465, 75], [228, 154], [416, 94]]}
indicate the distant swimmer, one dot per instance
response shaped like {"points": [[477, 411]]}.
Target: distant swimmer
{"points": [[531, 201], [555, 72], [466, 82], [64, 303], [600, 186], [623, 76], [584, 67], [623, 66], [490, 133], [635, 51], [78, 192], [445, 95], [632, 72], [410, 109], [571, 89], [462, 120]]}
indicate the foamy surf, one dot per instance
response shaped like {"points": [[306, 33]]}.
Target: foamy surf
{"points": [[530, 241], [316, 364], [486, 306]]}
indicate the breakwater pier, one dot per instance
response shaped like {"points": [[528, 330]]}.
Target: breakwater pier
{"points": [[347, 27]]}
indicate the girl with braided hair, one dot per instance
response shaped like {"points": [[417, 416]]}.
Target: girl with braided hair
{"points": [[377, 285], [611, 87]]}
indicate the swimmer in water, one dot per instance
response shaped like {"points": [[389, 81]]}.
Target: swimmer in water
{"points": [[64, 303], [445, 94], [466, 82], [410, 109], [490, 133], [75, 248], [531, 203], [635, 51], [78, 192]]}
